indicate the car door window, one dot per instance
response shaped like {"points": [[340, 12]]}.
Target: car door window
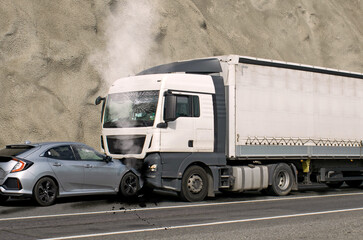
{"points": [[61, 152], [87, 153]]}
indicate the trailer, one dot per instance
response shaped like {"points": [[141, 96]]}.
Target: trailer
{"points": [[235, 123]]}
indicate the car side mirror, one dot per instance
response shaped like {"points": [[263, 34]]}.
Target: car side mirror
{"points": [[170, 108], [107, 159]]}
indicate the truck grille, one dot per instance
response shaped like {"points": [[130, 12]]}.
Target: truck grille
{"points": [[125, 144]]}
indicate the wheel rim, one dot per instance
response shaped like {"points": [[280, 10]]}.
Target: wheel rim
{"points": [[46, 191], [283, 180], [195, 183], [130, 185]]}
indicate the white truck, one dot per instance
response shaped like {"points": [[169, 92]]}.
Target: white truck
{"points": [[234, 123]]}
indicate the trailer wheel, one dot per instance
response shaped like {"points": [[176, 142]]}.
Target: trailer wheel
{"points": [[354, 183], [337, 184], [282, 180], [194, 184]]}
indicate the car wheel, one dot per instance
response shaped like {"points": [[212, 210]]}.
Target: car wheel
{"points": [[194, 184], [3, 198], [45, 191], [129, 185]]}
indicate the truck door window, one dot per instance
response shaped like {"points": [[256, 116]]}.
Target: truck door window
{"points": [[187, 106], [182, 106], [196, 110]]}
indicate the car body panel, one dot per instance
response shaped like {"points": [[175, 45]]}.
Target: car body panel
{"points": [[73, 177], [69, 173], [103, 175]]}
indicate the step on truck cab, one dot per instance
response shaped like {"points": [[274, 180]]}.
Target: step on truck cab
{"points": [[233, 123]]}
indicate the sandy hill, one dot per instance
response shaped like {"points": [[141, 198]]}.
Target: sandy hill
{"points": [[56, 57]]}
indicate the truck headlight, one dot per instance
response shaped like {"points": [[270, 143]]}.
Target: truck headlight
{"points": [[153, 168]]}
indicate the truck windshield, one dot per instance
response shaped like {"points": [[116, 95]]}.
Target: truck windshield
{"points": [[131, 109]]}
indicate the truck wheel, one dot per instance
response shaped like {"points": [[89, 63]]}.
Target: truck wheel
{"points": [[282, 180], [354, 183], [334, 184], [129, 185], [45, 191], [194, 184]]}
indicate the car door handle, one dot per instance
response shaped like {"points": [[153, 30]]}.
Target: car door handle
{"points": [[57, 164], [88, 166]]}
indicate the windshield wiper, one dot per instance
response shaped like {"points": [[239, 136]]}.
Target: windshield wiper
{"points": [[111, 125], [143, 122], [123, 123]]}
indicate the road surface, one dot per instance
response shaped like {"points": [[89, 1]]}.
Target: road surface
{"points": [[312, 212]]}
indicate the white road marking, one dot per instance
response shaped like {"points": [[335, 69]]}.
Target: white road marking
{"points": [[206, 224], [180, 206]]}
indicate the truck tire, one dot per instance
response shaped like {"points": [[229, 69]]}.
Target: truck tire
{"points": [[194, 186], [337, 184], [354, 183], [282, 180]]}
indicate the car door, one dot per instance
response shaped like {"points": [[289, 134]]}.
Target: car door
{"points": [[68, 170], [99, 175]]}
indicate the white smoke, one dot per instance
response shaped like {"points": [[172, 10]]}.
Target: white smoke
{"points": [[129, 38]]}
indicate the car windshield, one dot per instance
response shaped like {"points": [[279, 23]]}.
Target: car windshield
{"points": [[131, 109]]}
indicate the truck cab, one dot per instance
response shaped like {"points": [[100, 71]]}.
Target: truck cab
{"points": [[169, 122]]}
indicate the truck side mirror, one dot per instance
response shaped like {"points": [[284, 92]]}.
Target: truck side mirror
{"points": [[98, 100], [170, 108], [162, 125]]}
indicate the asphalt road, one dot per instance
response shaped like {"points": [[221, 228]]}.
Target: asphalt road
{"points": [[311, 213]]}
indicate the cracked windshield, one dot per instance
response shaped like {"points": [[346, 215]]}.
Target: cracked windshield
{"points": [[131, 109]]}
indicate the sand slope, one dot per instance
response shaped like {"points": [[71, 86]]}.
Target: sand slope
{"points": [[56, 57]]}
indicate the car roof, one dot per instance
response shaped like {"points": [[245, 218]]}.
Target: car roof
{"points": [[43, 144], [38, 148]]}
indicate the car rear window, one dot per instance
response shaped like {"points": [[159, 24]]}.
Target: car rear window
{"points": [[14, 150]]}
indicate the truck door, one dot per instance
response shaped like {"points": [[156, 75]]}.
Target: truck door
{"points": [[179, 136], [193, 129]]}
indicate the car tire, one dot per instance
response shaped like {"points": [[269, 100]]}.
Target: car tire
{"points": [[129, 186], [45, 191], [3, 198], [194, 184]]}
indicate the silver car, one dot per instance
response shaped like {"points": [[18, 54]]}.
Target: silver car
{"points": [[46, 171]]}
